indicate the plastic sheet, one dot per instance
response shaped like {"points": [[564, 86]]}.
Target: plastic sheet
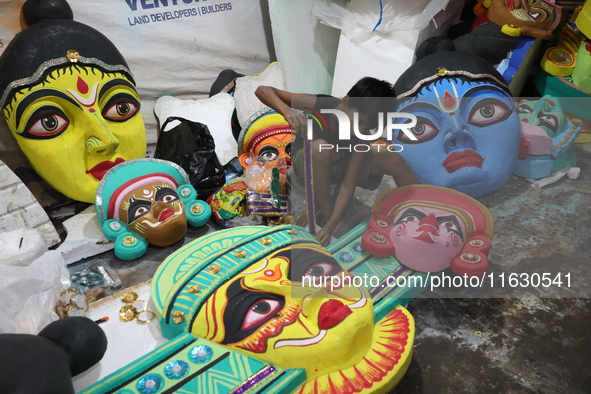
{"points": [[30, 288], [359, 22], [258, 177], [265, 186], [380, 41], [21, 247], [94, 273]]}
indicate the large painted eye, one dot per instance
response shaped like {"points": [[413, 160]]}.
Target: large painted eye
{"points": [[49, 125], [169, 198], [121, 110], [537, 12], [410, 215], [309, 263], [410, 218], [488, 113], [548, 120], [45, 123], [523, 15], [449, 225], [260, 312], [319, 269], [424, 131], [535, 15]]}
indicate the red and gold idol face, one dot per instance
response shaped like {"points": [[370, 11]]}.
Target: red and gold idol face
{"points": [[274, 151], [272, 311], [275, 147], [155, 212]]}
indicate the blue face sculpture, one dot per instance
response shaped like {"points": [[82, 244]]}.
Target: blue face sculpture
{"points": [[467, 135]]}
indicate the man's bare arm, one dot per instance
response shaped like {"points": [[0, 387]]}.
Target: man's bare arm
{"points": [[346, 192], [282, 101]]}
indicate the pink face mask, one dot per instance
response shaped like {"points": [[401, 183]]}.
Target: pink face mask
{"points": [[429, 229], [426, 239]]}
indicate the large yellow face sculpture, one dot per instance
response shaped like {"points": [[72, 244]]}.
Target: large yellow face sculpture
{"points": [[267, 312], [75, 125], [275, 294]]}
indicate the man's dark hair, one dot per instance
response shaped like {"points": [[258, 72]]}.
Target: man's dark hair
{"points": [[366, 96]]}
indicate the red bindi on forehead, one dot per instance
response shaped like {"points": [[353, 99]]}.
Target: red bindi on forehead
{"points": [[82, 86]]}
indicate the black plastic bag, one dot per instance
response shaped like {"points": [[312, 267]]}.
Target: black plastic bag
{"points": [[191, 145]]}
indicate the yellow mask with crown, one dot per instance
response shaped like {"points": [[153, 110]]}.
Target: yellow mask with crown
{"points": [[252, 289], [70, 100]]}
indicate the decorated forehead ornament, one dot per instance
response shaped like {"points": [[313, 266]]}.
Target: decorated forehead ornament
{"points": [[438, 59], [261, 125], [477, 219], [131, 175], [52, 41], [448, 102], [186, 279]]}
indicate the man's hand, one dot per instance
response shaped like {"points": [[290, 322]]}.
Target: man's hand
{"points": [[298, 121], [324, 235]]}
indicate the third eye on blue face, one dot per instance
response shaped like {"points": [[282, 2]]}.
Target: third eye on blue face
{"points": [[467, 135]]}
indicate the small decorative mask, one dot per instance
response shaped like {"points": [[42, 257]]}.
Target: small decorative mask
{"points": [[147, 201], [536, 18], [430, 228], [547, 138], [269, 138]]}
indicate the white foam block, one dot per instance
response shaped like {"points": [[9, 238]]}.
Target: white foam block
{"points": [[85, 237], [20, 209], [247, 102]]}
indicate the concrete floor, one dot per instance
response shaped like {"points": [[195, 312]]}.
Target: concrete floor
{"points": [[524, 340], [526, 345], [538, 342], [511, 340]]}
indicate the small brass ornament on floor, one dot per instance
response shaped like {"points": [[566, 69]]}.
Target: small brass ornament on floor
{"points": [[132, 311]]}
